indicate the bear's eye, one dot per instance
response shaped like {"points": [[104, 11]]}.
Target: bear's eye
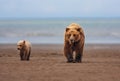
{"points": [[69, 34], [20, 45], [74, 35]]}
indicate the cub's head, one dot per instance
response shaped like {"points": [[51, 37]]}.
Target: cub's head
{"points": [[72, 35], [20, 44]]}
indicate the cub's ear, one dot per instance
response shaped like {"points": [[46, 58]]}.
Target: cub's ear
{"points": [[78, 29], [23, 41], [67, 29]]}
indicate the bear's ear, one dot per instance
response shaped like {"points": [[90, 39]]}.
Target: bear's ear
{"points": [[23, 41], [78, 29], [67, 29]]}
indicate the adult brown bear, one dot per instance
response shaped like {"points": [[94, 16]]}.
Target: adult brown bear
{"points": [[25, 49], [74, 42]]}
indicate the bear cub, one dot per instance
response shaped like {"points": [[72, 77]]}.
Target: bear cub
{"points": [[25, 49]]}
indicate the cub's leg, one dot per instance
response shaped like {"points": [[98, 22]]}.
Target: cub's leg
{"points": [[21, 55], [28, 56]]}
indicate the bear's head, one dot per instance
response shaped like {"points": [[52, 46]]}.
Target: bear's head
{"points": [[72, 35], [21, 44]]}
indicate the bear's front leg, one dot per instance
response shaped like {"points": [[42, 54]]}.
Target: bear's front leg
{"points": [[28, 56], [69, 55], [79, 53], [25, 55], [21, 55], [78, 57]]}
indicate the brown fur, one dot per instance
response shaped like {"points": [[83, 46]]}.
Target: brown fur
{"points": [[74, 42], [25, 49]]}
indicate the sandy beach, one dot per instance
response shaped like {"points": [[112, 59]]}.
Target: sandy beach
{"points": [[101, 62]]}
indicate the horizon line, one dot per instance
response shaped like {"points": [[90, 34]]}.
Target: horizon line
{"points": [[12, 18]]}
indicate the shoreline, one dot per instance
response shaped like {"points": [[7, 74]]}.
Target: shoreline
{"points": [[86, 46]]}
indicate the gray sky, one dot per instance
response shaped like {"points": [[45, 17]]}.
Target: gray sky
{"points": [[59, 8]]}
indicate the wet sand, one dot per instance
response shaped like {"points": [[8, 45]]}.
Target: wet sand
{"points": [[47, 63]]}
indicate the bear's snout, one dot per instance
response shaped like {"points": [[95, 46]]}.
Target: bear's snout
{"points": [[18, 48], [72, 40]]}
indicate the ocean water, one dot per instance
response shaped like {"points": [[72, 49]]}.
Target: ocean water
{"points": [[51, 30]]}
